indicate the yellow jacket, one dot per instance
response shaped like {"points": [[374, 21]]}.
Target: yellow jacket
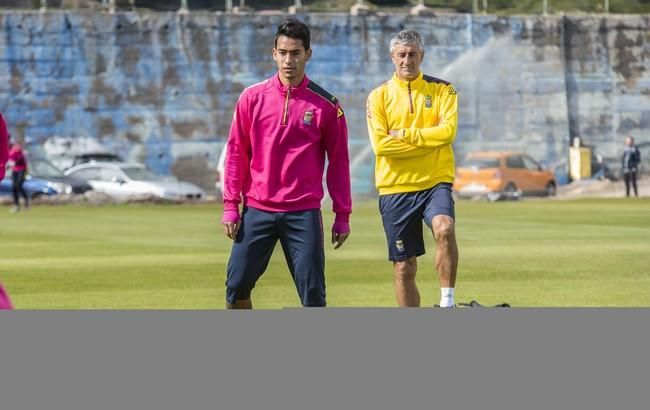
{"points": [[424, 111]]}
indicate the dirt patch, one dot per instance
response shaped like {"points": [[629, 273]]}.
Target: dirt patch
{"points": [[594, 188], [100, 199]]}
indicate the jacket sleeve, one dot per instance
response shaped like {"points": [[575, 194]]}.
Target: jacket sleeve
{"points": [[444, 132], [237, 161], [338, 167], [4, 146], [383, 144]]}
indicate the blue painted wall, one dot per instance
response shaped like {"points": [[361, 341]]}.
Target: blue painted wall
{"points": [[160, 87]]}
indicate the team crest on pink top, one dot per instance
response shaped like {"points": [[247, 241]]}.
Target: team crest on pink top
{"points": [[307, 117]]}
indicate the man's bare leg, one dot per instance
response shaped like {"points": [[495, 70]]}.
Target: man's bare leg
{"points": [[406, 290], [240, 304], [446, 251]]}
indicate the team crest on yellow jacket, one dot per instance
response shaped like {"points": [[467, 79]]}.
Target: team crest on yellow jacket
{"points": [[427, 101], [307, 117]]}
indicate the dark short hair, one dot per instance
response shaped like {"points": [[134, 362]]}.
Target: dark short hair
{"points": [[295, 29]]}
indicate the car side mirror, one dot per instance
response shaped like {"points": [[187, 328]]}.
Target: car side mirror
{"points": [[118, 180]]}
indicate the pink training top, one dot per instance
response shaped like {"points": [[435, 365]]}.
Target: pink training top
{"points": [[277, 145], [5, 302], [4, 146], [17, 155]]}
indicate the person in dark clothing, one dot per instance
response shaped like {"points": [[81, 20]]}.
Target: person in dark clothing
{"points": [[18, 173], [631, 160]]}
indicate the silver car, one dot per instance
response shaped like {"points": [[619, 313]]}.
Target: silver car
{"points": [[130, 179]]}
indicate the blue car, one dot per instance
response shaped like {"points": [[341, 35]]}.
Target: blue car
{"points": [[44, 179], [33, 186]]}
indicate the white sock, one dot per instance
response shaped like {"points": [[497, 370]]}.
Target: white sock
{"points": [[446, 297]]}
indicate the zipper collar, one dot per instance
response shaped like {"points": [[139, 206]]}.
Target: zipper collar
{"points": [[292, 89], [405, 84]]}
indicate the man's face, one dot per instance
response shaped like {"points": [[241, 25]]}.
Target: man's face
{"points": [[291, 57], [407, 59], [629, 141]]}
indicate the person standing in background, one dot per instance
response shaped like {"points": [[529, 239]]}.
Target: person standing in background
{"points": [[18, 163], [631, 160]]}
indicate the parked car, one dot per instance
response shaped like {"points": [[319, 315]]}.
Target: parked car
{"points": [[34, 187], [44, 169], [45, 179], [95, 157], [502, 175], [124, 179]]}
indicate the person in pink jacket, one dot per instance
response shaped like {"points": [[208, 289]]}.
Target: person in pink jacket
{"points": [[18, 162], [5, 303], [282, 132], [4, 146]]}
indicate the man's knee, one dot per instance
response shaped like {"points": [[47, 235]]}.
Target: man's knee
{"points": [[443, 228], [405, 270]]}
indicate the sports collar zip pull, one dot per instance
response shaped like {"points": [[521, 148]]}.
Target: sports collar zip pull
{"points": [[285, 114], [410, 97]]}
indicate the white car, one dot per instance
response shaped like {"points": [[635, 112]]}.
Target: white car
{"points": [[220, 176], [125, 179]]}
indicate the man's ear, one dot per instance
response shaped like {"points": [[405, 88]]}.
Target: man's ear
{"points": [[308, 52]]}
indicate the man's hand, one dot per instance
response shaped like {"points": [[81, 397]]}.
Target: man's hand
{"points": [[340, 232], [231, 223], [397, 134]]}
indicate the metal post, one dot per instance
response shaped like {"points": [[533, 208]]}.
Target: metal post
{"points": [[228, 5], [184, 9], [475, 7], [485, 6], [545, 7], [298, 4], [43, 6], [606, 6], [242, 4], [111, 6]]}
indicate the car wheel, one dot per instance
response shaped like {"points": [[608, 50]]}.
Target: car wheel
{"points": [[511, 191], [551, 189], [493, 196]]}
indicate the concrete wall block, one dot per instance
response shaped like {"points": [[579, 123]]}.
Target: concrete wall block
{"points": [[147, 82]]}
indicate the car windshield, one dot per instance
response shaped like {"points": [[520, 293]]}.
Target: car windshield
{"points": [[141, 174], [97, 158], [480, 163], [42, 168]]}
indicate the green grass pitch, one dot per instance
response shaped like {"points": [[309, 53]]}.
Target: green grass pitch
{"points": [[533, 253]]}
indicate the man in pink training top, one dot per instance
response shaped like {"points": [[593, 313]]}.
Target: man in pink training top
{"points": [[4, 146], [282, 131], [5, 303]]}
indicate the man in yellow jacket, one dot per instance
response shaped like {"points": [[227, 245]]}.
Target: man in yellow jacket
{"points": [[412, 121]]}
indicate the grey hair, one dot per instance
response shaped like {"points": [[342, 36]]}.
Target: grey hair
{"points": [[405, 37]]}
